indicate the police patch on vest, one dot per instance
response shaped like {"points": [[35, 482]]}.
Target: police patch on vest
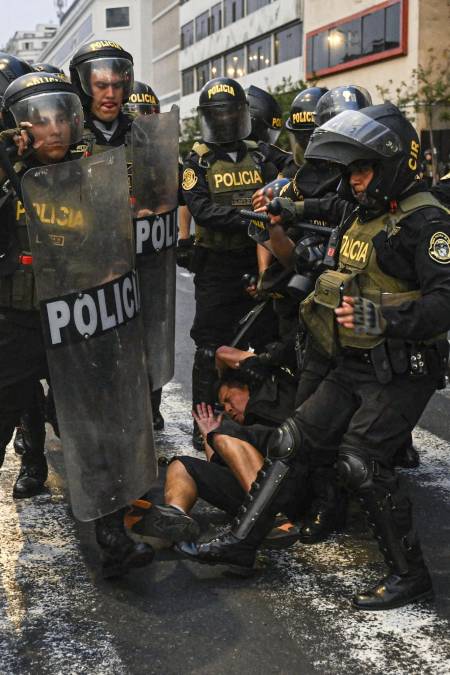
{"points": [[85, 315], [439, 249], [189, 179], [156, 234]]}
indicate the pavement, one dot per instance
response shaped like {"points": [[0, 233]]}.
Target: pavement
{"points": [[293, 616]]}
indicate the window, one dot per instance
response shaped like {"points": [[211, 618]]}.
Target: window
{"points": [[259, 54], [28, 45], [233, 10], [187, 81], [215, 18], [253, 5], [370, 35], [288, 43], [235, 63], [201, 26], [202, 72], [117, 17], [216, 67], [187, 35]]}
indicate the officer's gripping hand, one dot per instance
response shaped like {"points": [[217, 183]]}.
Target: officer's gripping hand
{"points": [[285, 441], [361, 315], [261, 198], [185, 252]]}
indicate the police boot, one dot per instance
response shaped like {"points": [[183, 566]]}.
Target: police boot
{"points": [[158, 419], [237, 547], [204, 376], [33, 471], [19, 443], [389, 513], [328, 509], [119, 553], [407, 457]]}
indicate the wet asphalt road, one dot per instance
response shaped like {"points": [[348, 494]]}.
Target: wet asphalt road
{"points": [[294, 616]]}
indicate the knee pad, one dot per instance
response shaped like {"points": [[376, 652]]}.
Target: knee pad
{"points": [[355, 471], [285, 441]]}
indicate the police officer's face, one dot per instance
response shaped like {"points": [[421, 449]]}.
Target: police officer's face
{"points": [[107, 94], [51, 133], [360, 177], [234, 400]]}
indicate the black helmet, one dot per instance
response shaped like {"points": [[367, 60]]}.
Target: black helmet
{"points": [[303, 109], [47, 68], [142, 100], [265, 114], [379, 135], [224, 111], [11, 68], [347, 97], [41, 99], [105, 57]]}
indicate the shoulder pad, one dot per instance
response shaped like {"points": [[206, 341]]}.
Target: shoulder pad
{"points": [[420, 200], [252, 145], [201, 149]]}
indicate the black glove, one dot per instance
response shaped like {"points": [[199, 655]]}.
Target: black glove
{"points": [[368, 317], [185, 252]]}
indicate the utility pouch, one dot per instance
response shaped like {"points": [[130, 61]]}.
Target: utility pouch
{"points": [[398, 356], [381, 364], [330, 288]]}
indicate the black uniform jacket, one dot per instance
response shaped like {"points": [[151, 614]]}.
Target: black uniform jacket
{"points": [[204, 211]]}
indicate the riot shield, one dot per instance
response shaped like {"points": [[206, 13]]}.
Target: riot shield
{"points": [[155, 161], [155, 191], [83, 257], [156, 238]]}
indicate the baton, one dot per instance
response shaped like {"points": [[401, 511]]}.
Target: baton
{"points": [[264, 218]]}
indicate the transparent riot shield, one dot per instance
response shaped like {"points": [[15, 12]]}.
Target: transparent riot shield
{"points": [[155, 161], [156, 238], [155, 193], [83, 258]]}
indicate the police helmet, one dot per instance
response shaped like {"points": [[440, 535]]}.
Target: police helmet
{"points": [[347, 97], [45, 100], [380, 136], [47, 68], [303, 109], [265, 114], [142, 101], [108, 61], [11, 68], [224, 111]]}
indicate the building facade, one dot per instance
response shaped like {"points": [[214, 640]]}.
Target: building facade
{"points": [[29, 44], [257, 42], [165, 46]]}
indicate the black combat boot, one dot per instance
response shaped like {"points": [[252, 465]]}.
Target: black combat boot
{"points": [[389, 512], [158, 419], [204, 376], [33, 471], [19, 443], [328, 509], [236, 548], [120, 554], [165, 522], [407, 457]]}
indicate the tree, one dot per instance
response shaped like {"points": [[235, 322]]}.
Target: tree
{"points": [[427, 92]]}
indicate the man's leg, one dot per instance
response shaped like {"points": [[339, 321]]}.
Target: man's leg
{"points": [[243, 459], [33, 471]]}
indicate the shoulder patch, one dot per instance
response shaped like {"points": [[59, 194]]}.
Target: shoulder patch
{"points": [[189, 179], [439, 249]]}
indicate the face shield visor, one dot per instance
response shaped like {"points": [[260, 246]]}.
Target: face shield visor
{"points": [[352, 136], [224, 122], [106, 75], [138, 109], [56, 118]]}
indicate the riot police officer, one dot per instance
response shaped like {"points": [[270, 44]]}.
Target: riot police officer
{"points": [[220, 175], [142, 100], [49, 106], [302, 119], [384, 314]]}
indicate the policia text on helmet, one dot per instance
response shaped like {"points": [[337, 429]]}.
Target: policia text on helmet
{"points": [[223, 112], [102, 74], [142, 101]]}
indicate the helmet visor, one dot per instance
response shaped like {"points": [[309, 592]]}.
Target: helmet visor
{"points": [[362, 129], [224, 123], [138, 109], [112, 75], [56, 118]]}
